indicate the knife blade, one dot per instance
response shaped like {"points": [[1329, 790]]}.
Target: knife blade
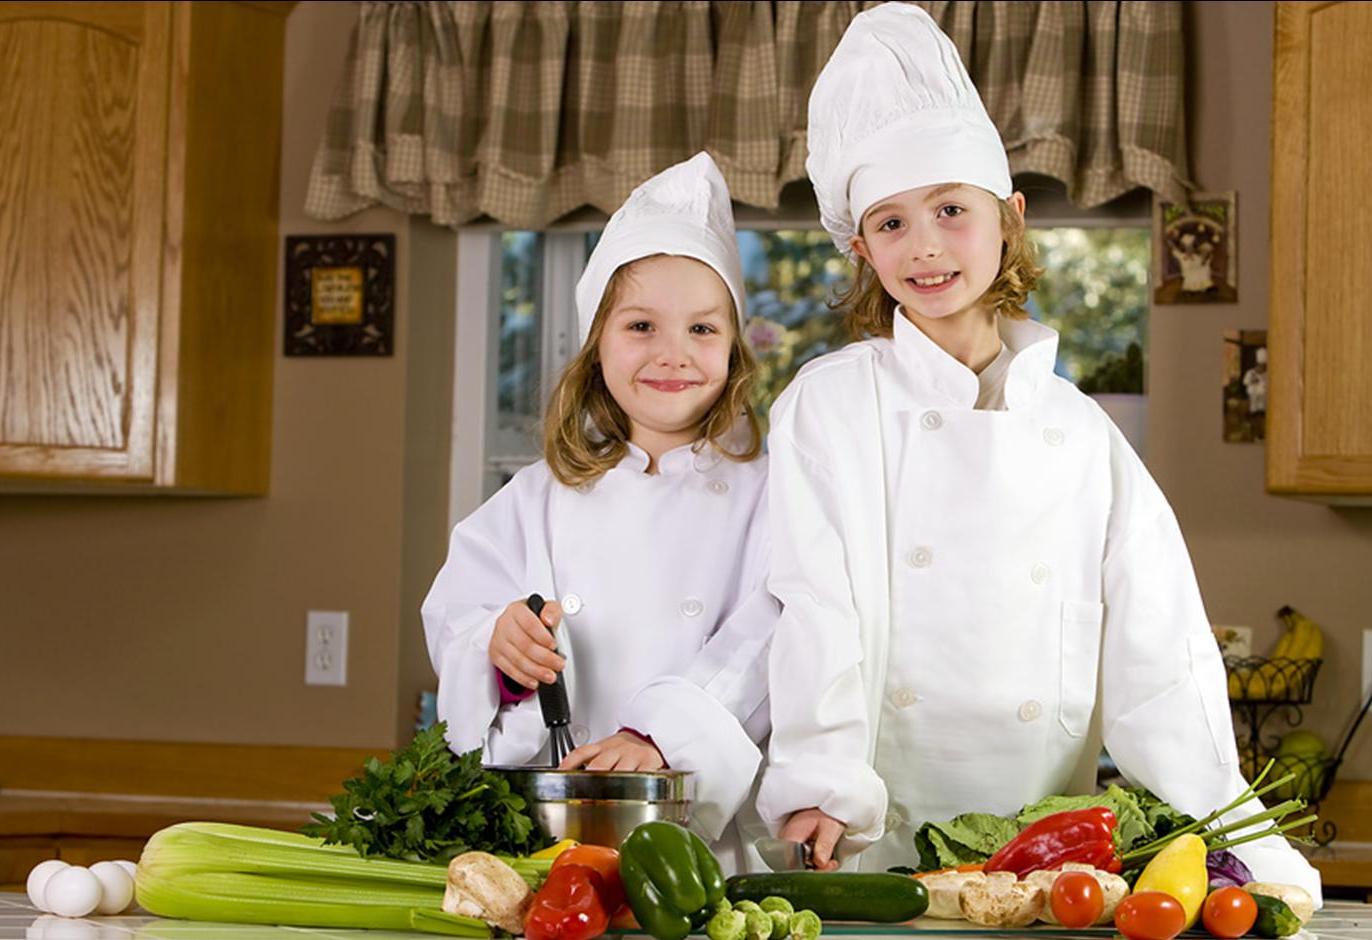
{"points": [[783, 854]]}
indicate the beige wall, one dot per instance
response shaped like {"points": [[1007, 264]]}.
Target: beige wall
{"points": [[184, 619], [1252, 552]]}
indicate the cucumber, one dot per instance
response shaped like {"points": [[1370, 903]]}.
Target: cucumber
{"points": [[1275, 918], [837, 895]]}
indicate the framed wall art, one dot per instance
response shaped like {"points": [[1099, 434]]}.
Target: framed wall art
{"points": [[1195, 251], [340, 295]]}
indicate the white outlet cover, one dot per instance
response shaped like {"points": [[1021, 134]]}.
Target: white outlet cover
{"points": [[326, 647]]}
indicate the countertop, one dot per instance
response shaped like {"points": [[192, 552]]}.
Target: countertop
{"points": [[1340, 920]]}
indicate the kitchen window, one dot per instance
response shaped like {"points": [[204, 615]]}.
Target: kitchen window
{"points": [[517, 324]]}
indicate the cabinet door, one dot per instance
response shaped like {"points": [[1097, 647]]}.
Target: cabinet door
{"points": [[1320, 435], [83, 100]]}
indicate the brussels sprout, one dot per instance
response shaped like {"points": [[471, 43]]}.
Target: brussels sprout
{"points": [[759, 925], [805, 925], [770, 904], [727, 925], [746, 906], [781, 924]]}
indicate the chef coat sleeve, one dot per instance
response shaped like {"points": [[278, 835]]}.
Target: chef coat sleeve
{"points": [[818, 754], [1165, 699], [709, 719], [483, 573]]}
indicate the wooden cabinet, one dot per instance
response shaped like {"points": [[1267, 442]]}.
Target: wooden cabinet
{"points": [[1319, 441], [139, 163]]}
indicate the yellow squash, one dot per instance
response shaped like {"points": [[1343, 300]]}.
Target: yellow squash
{"points": [[1179, 870]]}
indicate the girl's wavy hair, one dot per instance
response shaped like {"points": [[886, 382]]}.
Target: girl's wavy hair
{"points": [[869, 311], [586, 433]]}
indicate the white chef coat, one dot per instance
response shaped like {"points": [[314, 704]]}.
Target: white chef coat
{"points": [[667, 619], [972, 597]]}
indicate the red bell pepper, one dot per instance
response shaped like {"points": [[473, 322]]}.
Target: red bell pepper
{"points": [[1078, 835], [569, 906], [605, 862]]}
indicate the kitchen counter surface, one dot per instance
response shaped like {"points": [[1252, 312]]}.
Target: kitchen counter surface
{"points": [[1340, 920]]}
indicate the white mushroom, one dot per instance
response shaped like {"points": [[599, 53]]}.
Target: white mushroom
{"points": [[944, 889], [1001, 901], [482, 886]]}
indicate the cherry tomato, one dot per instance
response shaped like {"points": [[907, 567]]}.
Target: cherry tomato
{"points": [[604, 861], [1076, 899], [1150, 915], [1229, 912]]}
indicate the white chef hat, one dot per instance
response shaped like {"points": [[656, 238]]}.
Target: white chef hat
{"points": [[684, 210], [893, 110]]}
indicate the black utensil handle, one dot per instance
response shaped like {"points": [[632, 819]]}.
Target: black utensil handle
{"points": [[552, 697]]}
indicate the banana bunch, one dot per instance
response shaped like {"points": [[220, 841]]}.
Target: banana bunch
{"points": [[1277, 678]]}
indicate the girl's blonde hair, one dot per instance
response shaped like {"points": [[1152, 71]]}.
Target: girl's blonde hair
{"points": [[869, 311], [586, 433]]}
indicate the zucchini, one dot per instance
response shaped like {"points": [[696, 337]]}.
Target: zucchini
{"points": [[837, 895]]}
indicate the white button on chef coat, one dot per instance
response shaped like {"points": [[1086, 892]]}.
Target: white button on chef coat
{"points": [[893, 821], [921, 557], [696, 685], [1040, 573], [931, 421], [904, 698], [1053, 436], [580, 734], [718, 486], [1030, 711], [692, 607]]}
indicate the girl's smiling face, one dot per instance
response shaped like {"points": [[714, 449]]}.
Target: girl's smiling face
{"points": [[664, 349], [936, 249]]}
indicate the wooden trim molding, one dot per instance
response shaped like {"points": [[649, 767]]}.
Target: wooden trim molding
{"points": [[162, 768]]}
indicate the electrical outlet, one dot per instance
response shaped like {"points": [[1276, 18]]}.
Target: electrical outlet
{"points": [[326, 647], [1366, 664]]}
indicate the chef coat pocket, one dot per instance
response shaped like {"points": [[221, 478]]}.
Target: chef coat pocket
{"points": [[1079, 663]]}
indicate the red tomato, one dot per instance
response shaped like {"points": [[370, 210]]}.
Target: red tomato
{"points": [[1076, 899], [1229, 912], [605, 862], [1150, 915]]}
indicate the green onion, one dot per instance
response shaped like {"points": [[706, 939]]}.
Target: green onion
{"points": [[242, 874]]}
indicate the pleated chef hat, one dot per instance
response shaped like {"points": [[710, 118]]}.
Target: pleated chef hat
{"points": [[892, 110], [684, 210]]}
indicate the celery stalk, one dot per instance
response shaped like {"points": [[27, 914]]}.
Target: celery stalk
{"points": [[242, 874]]}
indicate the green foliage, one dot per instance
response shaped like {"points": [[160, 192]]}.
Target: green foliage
{"points": [[425, 804], [1120, 374], [1094, 292]]}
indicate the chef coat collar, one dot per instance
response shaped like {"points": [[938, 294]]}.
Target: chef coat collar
{"points": [[697, 456], [930, 368]]}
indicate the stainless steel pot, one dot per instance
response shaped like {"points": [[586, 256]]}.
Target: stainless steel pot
{"points": [[601, 807]]}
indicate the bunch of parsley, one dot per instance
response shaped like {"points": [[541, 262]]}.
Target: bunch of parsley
{"points": [[424, 804]]}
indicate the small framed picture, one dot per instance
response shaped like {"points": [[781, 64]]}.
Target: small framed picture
{"points": [[340, 295], [1195, 252], [1245, 386]]}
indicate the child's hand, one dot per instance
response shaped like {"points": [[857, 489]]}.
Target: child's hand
{"points": [[819, 829], [521, 646], [622, 751]]}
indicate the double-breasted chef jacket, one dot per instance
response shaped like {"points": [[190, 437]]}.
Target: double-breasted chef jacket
{"points": [[972, 599], [666, 616]]}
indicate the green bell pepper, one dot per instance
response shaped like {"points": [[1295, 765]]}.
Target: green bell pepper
{"points": [[671, 880]]}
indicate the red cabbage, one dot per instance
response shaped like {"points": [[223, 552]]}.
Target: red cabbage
{"points": [[1226, 870]]}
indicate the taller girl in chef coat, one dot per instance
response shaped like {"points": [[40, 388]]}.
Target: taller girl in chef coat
{"points": [[979, 578], [645, 520]]}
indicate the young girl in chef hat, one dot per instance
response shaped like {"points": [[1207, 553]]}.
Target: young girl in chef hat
{"points": [[965, 547], [644, 526]]}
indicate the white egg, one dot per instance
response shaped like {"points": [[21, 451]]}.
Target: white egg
{"points": [[128, 866], [72, 892], [38, 880], [116, 887]]}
